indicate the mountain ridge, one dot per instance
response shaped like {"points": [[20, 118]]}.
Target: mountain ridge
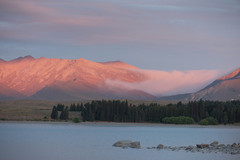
{"points": [[76, 79], [67, 79], [224, 88]]}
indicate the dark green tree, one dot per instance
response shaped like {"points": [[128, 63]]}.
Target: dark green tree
{"points": [[54, 114], [60, 107], [64, 114], [122, 111]]}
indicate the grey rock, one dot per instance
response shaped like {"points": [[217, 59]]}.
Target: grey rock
{"points": [[189, 148], [135, 145], [234, 152], [202, 146], [214, 147], [160, 146], [123, 144], [220, 146], [215, 143], [151, 147], [174, 148], [234, 145]]}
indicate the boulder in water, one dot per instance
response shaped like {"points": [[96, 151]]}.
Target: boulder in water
{"points": [[123, 144], [202, 146], [135, 145], [127, 143], [160, 146], [215, 143]]}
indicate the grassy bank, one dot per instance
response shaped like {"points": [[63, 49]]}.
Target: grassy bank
{"points": [[25, 110], [35, 110]]}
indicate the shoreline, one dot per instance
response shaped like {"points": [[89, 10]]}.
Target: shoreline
{"points": [[124, 124]]}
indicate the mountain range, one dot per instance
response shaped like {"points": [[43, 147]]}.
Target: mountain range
{"points": [[223, 89], [80, 79]]}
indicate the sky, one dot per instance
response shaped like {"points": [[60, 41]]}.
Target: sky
{"points": [[164, 35]]}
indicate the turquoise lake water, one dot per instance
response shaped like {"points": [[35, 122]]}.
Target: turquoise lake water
{"points": [[69, 141]]}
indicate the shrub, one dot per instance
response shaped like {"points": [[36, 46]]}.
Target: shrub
{"points": [[212, 121], [203, 122], [178, 120], [76, 120], [208, 121]]}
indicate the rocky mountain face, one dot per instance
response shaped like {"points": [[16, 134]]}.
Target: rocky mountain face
{"points": [[61, 79], [223, 89]]}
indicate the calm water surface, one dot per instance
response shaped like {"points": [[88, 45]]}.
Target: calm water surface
{"points": [[68, 141]]}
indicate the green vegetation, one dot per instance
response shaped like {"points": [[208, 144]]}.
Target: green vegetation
{"points": [[54, 114], [76, 120], [31, 110], [203, 122], [209, 121], [178, 120], [202, 112], [64, 114]]}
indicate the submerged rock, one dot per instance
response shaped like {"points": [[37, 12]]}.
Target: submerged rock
{"points": [[189, 148], [123, 144], [160, 146], [151, 147], [202, 146], [234, 145], [135, 145], [215, 143], [220, 146], [127, 143]]}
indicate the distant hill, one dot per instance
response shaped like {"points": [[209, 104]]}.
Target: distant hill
{"points": [[223, 89], [178, 97]]}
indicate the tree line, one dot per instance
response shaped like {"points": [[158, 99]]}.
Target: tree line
{"points": [[122, 111], [64, 112]]}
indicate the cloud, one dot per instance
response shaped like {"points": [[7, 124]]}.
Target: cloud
{"points": [[30, 11], [106, 22], [168, 83], [30, 20]]}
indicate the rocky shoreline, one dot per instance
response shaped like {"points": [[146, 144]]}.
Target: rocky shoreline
{"points": [[213, 147]]}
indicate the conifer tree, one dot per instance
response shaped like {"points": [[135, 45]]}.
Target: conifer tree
{"points": [[64, 114], [54, 114]]}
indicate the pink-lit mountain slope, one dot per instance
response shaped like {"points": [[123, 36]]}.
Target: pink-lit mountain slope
{"points": [[61, 79], [7, 93], [224, 88]]}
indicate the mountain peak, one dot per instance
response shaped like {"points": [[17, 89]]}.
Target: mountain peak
{"points": [[72, 79], [28, 57], [1, 60], [234, 75], [118, 64], [84, 60], [224, 88]]}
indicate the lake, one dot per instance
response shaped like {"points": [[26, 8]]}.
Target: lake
{"points": [[93, 141]]}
